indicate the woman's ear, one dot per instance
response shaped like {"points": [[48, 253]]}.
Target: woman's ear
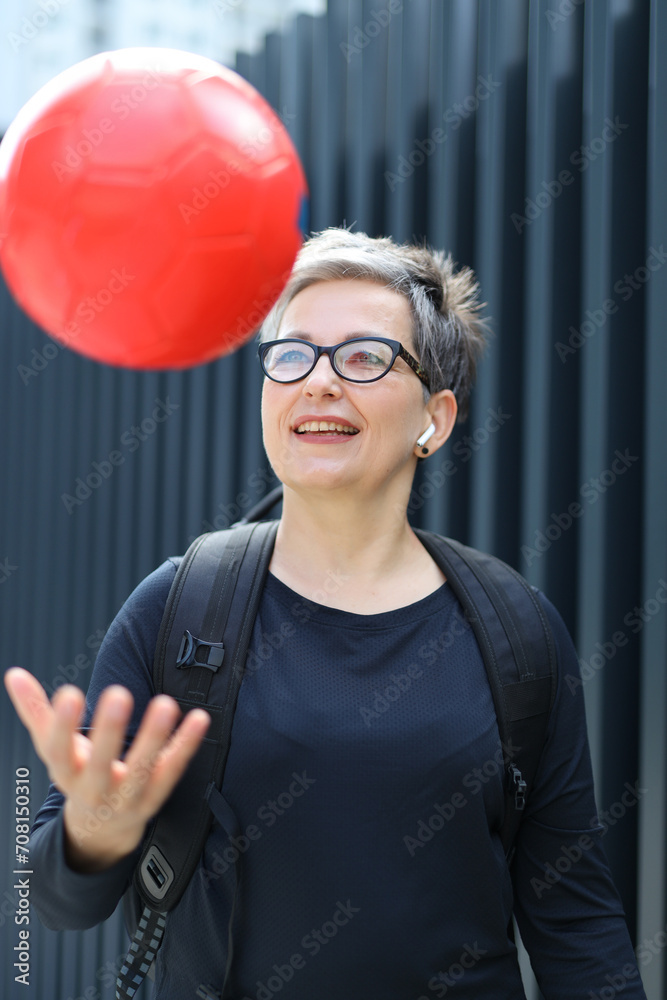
{"points": [[442, 410]]}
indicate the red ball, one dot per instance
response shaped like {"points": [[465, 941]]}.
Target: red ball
{"points": [[150, 203]]}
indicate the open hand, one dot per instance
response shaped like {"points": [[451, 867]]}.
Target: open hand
{"points": [[108, 801]]}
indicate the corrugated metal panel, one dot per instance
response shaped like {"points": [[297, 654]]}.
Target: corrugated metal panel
{"points": [[652, 908], [527, 137], [615, 81]]}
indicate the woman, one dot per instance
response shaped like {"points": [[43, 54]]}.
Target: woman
{"points": [[341, 897]]}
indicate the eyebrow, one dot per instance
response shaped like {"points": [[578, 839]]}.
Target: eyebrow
{"points": [[301, 335]]}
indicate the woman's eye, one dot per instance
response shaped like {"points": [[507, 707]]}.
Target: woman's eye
{"points": [[362, 357], [292, 356]]}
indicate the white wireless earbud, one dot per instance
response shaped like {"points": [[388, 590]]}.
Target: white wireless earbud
{"points": [[425, 436]]}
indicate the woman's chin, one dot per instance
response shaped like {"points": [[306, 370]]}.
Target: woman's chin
{"points": [[318, 476]]}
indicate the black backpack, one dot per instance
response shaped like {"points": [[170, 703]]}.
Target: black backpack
{"points": [[199, 660]]}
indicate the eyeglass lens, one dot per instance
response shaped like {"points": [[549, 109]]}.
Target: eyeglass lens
{"points": [[359, 361]]}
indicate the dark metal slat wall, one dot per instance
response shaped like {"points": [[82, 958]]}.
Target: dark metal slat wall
{"points": [[527, 137]]}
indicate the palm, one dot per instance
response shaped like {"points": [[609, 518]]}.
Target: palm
{"points": [[89, 771]]}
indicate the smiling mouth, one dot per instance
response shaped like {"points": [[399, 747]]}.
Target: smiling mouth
{"points": [[325, 427]]}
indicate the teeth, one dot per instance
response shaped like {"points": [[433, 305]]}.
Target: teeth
{"points": [[325, 425]]}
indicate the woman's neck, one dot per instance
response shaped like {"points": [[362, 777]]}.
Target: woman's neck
{"points": [[352, 556]]}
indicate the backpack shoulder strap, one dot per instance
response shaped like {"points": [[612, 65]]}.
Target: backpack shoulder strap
{"points": [[519, 654], [199, 660]]}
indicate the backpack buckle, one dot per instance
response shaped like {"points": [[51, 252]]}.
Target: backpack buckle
{"points": [[196, 652], [156, 872]]}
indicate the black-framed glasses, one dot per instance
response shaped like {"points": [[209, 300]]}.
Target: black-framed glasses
{"points": [[360, 359]]}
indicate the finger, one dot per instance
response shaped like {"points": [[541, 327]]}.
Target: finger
{"points": [[109, 724], [156, 727], [32, 705], [174, 759], [62, 760]]}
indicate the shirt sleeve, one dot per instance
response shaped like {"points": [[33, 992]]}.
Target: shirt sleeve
{"points": [[65, 899], [566, 905]]}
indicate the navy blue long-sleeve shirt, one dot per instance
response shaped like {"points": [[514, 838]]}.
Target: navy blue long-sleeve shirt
{"points": [[365, 772]]}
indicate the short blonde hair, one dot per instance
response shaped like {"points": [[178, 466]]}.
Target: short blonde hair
{"points": [[449, 332]]}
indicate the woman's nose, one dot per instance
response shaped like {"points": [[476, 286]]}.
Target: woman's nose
{"points": [[323, 377]]}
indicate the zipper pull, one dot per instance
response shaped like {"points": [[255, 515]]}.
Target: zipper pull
{"points": [[520, 786]]}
